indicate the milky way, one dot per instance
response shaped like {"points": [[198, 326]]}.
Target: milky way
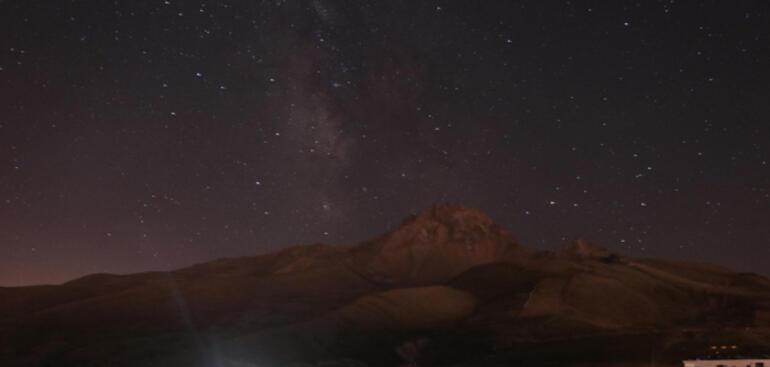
{"points": [[150, 135]]}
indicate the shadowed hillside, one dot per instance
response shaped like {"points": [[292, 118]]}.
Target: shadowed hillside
{"points": [[449, 287]]}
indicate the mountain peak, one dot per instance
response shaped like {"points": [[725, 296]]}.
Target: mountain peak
{"points": [[461, 223], [438, 243], [452, 213], [588, 250]]}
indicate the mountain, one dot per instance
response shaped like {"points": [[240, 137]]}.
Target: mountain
{"points": [[448, 287]]}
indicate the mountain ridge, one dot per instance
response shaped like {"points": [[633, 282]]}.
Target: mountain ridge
{"points": [[446, 280]]}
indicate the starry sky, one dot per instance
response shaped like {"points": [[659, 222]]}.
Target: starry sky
{"points": [[149, 134]]}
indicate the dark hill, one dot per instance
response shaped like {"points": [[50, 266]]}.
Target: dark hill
{"points": [[448, 287]]}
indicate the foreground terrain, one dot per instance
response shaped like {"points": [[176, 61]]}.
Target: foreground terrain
{"points": [[448, 287]]}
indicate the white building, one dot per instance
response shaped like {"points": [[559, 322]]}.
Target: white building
{"points": [[728, 363]]}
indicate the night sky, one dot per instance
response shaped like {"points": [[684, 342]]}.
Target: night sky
{"points": [[151, 135]]}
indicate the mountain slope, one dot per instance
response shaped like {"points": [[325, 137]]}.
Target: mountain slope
{"points": [[447, 287]]}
